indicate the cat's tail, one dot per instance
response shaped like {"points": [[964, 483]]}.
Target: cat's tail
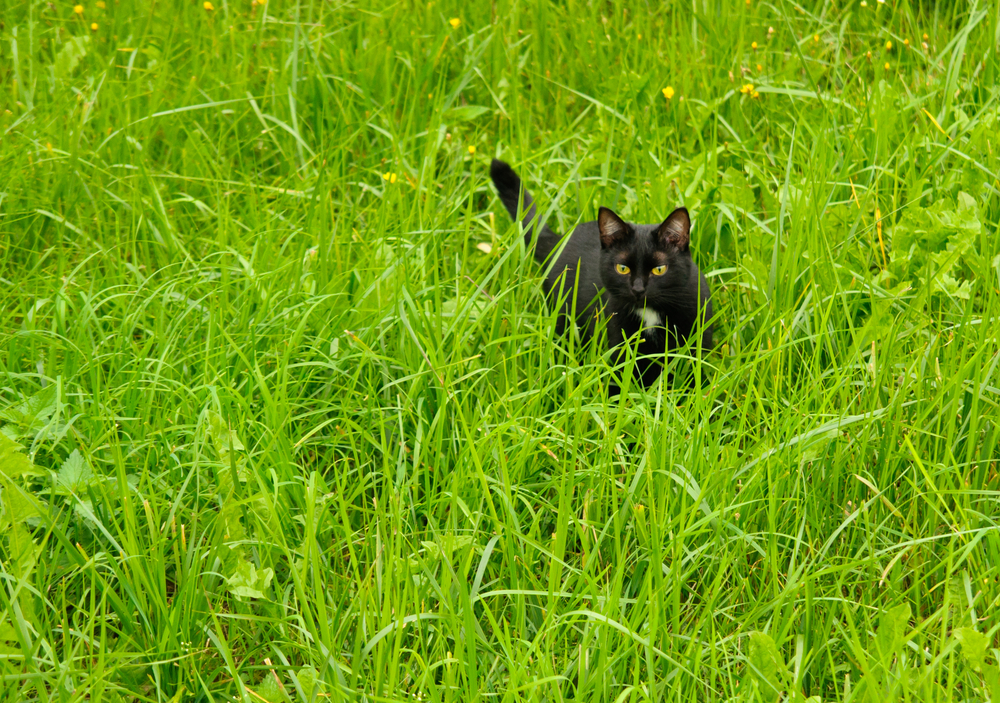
{"points": [[508, 186]]}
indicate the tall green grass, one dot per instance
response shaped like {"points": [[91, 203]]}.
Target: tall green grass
{"points": [[284, 416]]}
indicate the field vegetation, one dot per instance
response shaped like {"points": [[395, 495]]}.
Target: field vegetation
{"points": [[283, 415]]}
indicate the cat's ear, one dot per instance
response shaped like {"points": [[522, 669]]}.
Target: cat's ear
{"points": [[676, 229], [612, 228]]}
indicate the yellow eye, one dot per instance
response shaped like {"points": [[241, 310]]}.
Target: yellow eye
{"points": [[659, 270], [621, 268]]}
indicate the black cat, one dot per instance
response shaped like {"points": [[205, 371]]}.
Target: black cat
{"points": [[641, 277]]}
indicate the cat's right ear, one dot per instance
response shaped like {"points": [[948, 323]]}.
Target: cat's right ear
{"points": [[612, 228]]}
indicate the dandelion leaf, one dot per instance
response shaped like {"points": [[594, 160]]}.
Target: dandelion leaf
{"points": [[891, 628], [307, 677], [766, 665], [70, 55], [973, 646]]}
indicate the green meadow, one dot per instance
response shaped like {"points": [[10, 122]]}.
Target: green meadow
{"points": [[284, 417]]}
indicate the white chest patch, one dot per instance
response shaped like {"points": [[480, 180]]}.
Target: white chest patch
{"points": [[650, 319]]}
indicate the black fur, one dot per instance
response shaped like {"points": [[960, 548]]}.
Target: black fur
{"points": [[660, 310]]}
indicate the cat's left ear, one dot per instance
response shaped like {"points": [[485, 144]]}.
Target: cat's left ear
{"points": [[676, 229], [612, 228]]}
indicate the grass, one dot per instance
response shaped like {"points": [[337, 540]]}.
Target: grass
{"points": [[284, 416]]}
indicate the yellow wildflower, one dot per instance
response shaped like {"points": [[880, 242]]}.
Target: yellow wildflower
{"points": [[759, 68], [668, 92], [93, 26], [753, 45], [754, 94], [906, 42], [888, 46], [747, 88], [208, 6], [454, 22], [78, 9], [472, 149], [816, 38], [926, 37], [887, 66], [390, 176]]}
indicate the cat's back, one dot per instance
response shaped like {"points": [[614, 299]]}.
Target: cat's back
{"points": [[575, 265]]}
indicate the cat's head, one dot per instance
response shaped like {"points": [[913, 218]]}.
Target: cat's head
{"points": [[645, 265]]}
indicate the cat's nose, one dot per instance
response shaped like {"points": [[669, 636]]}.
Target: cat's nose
{"points": [[638, 286]]}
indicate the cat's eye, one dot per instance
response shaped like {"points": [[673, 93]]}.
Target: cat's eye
{"points": [[659, 270], [622, 269]]}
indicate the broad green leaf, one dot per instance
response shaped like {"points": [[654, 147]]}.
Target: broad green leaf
{"points": [[952, 287], [247, 582], [465, 113], [270, 690], [973, 646], [766, 665], [22, 553], [18, 505], [992, 676], [224, 437], [75, 474], [891, 628], [961, 615], [12, 462], [27, 418], [70, 55], [9, 644], [227, 443], [307, 677]]}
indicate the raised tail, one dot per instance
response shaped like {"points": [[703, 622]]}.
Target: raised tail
{"points": [[508, 186]]}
